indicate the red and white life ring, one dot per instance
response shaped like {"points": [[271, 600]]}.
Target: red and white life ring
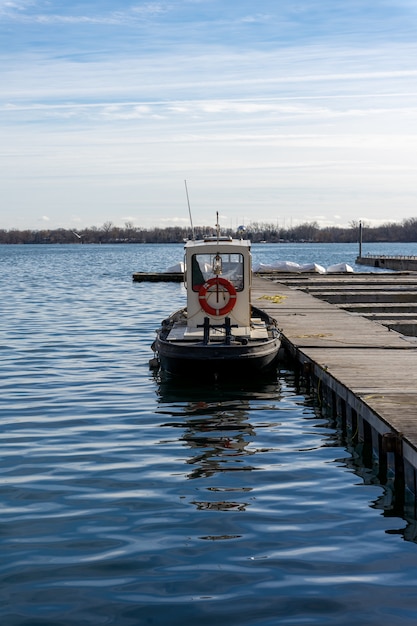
{"points": [[217, 285]]}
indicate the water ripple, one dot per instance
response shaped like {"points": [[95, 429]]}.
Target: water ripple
{"points": [[126, 499]]}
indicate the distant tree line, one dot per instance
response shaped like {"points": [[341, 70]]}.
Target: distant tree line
{"points": [[257, 232]]}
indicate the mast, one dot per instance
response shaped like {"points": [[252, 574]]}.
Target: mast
{"points": [[189, 211]]}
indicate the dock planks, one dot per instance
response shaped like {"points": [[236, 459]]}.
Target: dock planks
{"points": [[390, 298], [377, 365]]}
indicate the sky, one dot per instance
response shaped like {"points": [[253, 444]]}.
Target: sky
{"points": [[275, 111]]}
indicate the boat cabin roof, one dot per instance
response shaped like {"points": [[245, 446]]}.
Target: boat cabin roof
{"points": [[222, 243]]}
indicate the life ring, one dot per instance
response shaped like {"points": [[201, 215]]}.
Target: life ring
{"points": [[206, 289]]}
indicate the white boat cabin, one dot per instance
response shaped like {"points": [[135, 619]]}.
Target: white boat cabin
{"points": [[218, 273]]}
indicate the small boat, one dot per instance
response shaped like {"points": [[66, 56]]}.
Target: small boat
{"points": [[219, 334]]}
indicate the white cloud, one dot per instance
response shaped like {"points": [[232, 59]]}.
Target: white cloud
{"points": [[256, 18], [37, 13], [107, 128]]}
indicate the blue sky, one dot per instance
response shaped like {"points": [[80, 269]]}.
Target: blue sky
{"points": [[274, 111]]}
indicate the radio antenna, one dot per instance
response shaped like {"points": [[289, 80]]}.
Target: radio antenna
{"points": [[189, 210]]}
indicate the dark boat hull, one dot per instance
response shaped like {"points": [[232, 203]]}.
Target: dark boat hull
{"points": [[216, 360]]}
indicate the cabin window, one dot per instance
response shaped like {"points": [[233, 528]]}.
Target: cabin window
{"points": [[226, 265]]}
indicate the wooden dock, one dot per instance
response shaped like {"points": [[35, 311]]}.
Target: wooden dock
{"points": [[387, 298], [370, 372]]}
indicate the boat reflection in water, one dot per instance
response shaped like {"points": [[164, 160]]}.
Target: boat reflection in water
{"points": [[217, 427]]}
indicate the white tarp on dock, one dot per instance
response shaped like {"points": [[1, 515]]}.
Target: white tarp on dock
{"points": [[283, 266]]}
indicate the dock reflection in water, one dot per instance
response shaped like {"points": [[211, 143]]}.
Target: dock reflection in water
{"points": [[221, 432], [395, 502], [278, 473]]}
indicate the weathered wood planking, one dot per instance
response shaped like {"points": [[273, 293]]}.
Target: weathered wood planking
{"points": [[389, 298], [307, 321]]}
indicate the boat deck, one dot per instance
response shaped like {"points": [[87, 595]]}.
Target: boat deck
{"points": [[180, 332], [350, 353]]}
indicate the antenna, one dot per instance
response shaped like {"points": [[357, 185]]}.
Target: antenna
{"points": [[189, 210]]}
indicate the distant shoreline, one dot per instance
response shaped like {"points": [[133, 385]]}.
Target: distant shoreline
{"points": [[263, 233]]}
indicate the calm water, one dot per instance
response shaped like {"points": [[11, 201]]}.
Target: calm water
{"points": [[127, 500]]}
